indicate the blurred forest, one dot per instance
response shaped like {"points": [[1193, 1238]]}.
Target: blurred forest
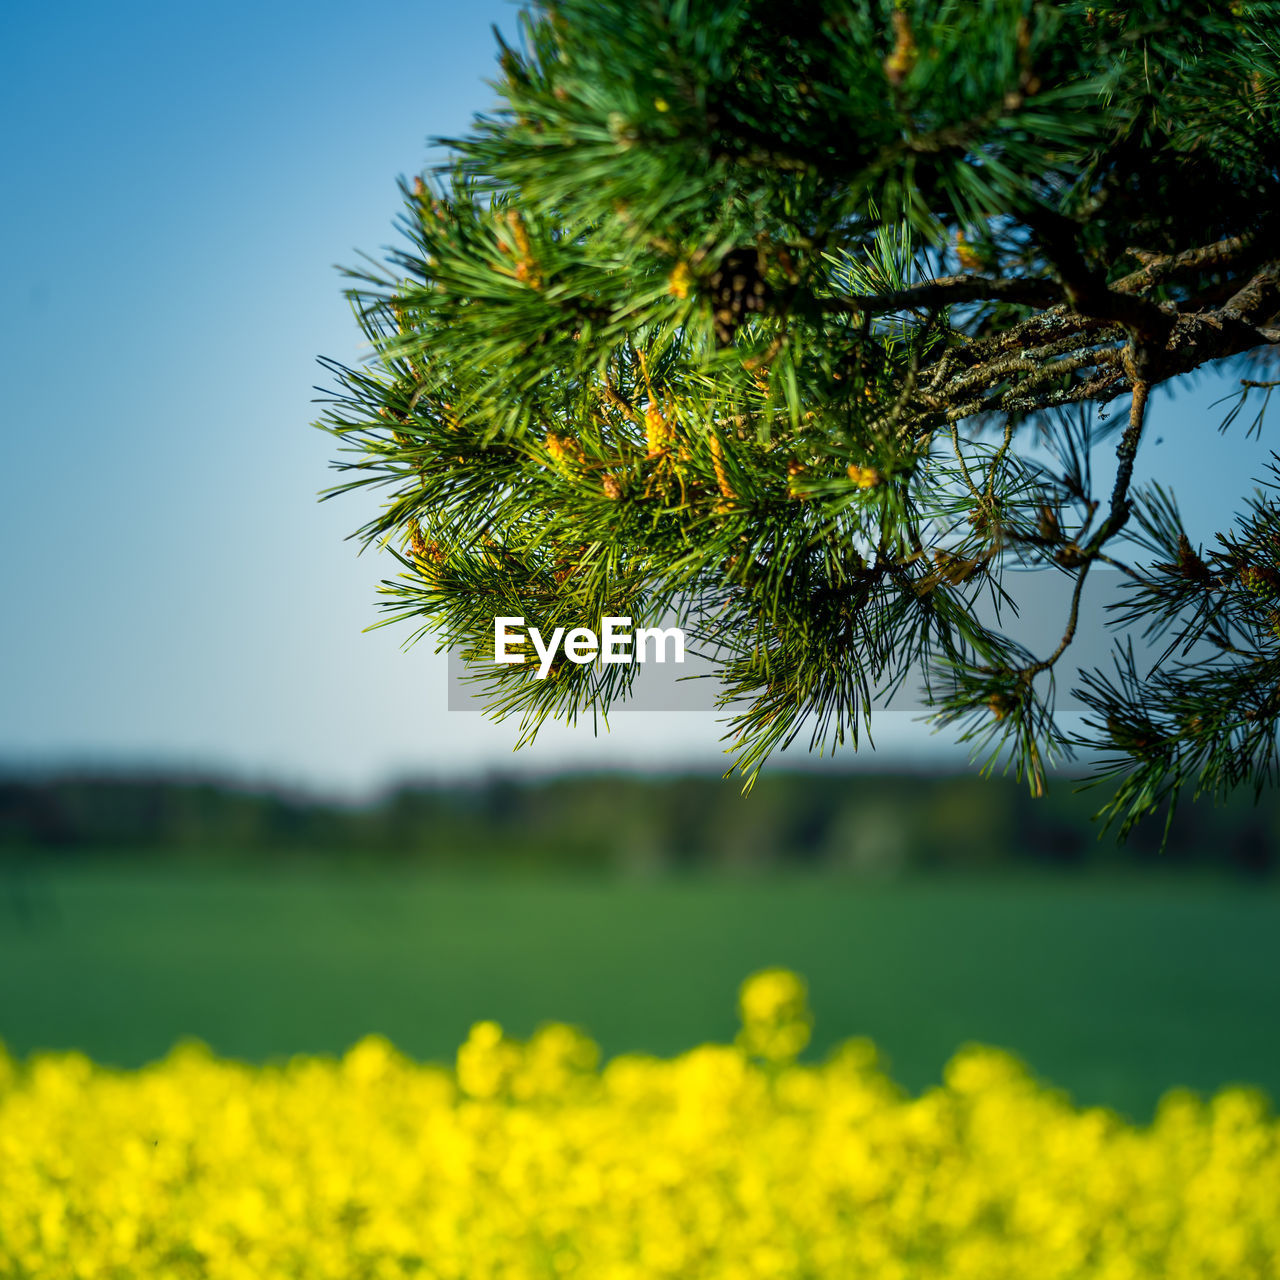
{"points": [[875, 824]]}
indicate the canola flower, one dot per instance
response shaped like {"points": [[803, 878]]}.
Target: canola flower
{"points": [[532, 1160]]}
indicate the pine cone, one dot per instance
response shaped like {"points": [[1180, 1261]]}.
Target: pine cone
{"points": [[737, 287]]}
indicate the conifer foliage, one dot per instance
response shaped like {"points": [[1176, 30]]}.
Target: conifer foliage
{"points": [[797, 319]]}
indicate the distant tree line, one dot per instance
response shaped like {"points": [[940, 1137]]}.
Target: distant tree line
{"points": [[869, 823]]}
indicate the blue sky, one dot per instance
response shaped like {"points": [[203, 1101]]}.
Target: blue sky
{"points": [[180, 181]]}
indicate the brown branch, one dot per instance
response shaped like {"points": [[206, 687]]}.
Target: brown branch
{"points": [[1057, 327], [1100, 389], [1086, 287], [964, 468], [1025, 396], [1259, 299], [1068, 633], [1037, 371], [1117, 516], [1136, 363], [1193, 340], [948, 290], [1158, 268]]}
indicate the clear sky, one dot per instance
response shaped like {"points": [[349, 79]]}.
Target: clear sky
{"points": [[179, 182]]}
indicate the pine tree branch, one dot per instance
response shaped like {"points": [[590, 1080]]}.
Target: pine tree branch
{"points": [[1159, 268], [1136, 364], [635, 195], [950, 291], [1191, 341], [1086, 287]]}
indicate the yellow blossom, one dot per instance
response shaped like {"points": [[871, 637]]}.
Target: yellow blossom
{"points": [[680, 281], [531, 1160], [864, 477]]}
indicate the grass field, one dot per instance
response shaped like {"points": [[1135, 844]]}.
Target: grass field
{"points": [[1115, 991]]}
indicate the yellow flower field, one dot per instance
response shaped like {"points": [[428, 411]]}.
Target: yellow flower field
{"points": [[532, 1160]]}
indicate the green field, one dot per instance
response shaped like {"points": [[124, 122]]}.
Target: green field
{"points": [[1113, 990]]}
